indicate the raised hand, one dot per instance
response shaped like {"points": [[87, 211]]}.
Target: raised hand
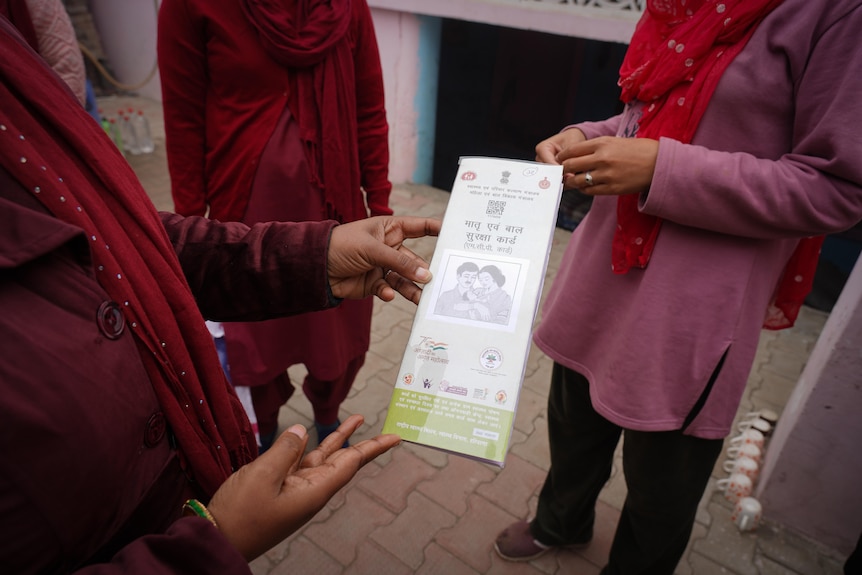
{"points": [[547, 150], [368, 257], [270, 498], [609, 165]]}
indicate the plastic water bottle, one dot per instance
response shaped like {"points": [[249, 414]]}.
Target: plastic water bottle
{"points": [[106, 126], [130, 137], [142, 131], [116, 135]]}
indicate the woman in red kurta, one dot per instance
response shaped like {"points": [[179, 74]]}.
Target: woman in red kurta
{"points": [[114, 409], [286, 96]]}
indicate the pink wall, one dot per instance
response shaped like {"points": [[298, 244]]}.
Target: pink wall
{"points": [[398, 40]]}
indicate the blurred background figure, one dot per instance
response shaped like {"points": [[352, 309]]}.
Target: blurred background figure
{"points": [[46, 27], [275, 111]]}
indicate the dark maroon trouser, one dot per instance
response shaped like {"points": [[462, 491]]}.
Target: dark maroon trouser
{"points": [[325, 397]]}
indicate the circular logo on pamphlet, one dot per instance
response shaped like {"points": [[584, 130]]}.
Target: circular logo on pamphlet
{"points": [[544, 183], [407, 379], [500, 397], [468, 176], [491, 358]]}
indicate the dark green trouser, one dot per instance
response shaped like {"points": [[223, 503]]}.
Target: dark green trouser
{"points": [[666, 474]]}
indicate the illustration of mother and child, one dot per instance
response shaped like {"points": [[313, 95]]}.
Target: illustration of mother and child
{"points": [[477, 295]]}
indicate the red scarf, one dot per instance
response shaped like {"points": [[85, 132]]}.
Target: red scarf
{"points": [[66, 161], [677, 55], [309, 38]]}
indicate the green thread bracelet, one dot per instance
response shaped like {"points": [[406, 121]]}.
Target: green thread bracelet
{"points": [[193, 507]]}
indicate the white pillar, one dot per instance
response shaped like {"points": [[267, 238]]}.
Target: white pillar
{"points": [[812, 476], [128, 33]]}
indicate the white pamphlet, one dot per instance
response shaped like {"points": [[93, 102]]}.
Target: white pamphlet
{"points": [[462, 370]]}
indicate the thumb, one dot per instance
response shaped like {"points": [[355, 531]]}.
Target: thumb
{"points": [[286, 452]]}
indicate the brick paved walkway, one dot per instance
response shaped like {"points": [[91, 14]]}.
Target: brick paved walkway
{"points": [[417, 510]]}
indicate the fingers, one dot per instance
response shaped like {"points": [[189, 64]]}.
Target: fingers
{"points": [[549, 151], [401, 260], [393, 281], [382, 290], [583, 165], [246, 504], [587, 181], [370, 448], [576, 159], [350, 459], [408, 264], [546, 152], [256, 508], [569, 181], [414, 227], [579, 156], [331, 452], [336, 439], [286, 453], [610, 165], [376, 446], [360, 253], [405, 287]]}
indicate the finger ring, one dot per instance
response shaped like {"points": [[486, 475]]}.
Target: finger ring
{"points": [[589, 178]]}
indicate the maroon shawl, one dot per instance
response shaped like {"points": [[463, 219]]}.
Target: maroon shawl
{"points": [[66, 161], [309, 38], [18, 13], [677, 55]]}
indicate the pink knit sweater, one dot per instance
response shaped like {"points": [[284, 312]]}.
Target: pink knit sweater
{"points": [[775, 158], [58, 44]]}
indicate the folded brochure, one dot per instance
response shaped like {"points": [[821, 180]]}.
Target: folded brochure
{"points": [[458, 385]]}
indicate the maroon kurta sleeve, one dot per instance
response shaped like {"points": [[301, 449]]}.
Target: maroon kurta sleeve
{"points": [[190, 545], [239, 273], [372, 128], [183, 70]]}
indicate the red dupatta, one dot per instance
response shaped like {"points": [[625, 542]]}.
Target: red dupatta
{"points": [[55, 150], [677, 55], [309, 38]]}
